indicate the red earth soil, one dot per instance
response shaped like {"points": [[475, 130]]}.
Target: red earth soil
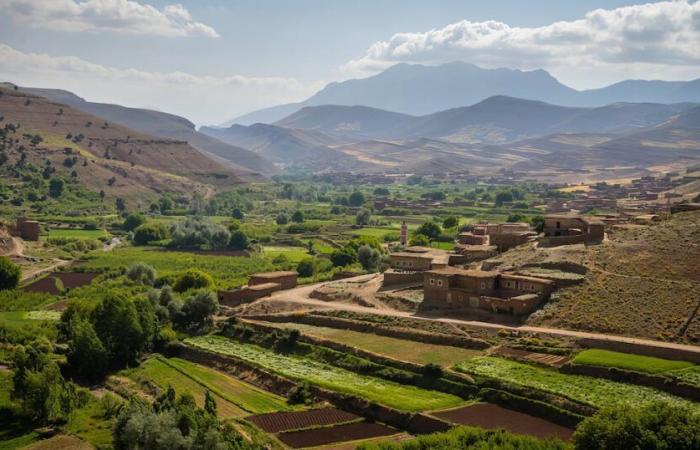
{"points": [[485, 415], [70, 280], [337, 433], [276, 422]]}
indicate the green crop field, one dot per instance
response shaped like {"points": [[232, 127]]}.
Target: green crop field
{"points": [[406, 398], [293, 254], [690, 375], [227, 271], [597, 392], [77, 234], [400, 349], [244, 395], [628, 361]]}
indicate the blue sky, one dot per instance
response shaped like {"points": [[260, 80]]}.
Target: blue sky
{"points": [[211, 60]]}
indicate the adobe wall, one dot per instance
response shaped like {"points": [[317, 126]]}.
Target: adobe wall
{"points": [[555, 241], [393, 277], [242, 296]]}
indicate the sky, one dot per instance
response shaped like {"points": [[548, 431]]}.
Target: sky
{"points": [[213, 60]]}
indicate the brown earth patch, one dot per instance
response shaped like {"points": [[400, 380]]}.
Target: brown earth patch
{"points": [[338, 433], [485, 415], [282, 421], [69, 280]]}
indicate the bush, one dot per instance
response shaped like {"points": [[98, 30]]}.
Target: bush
{"points": [[429, 229], [192, 279], [300, 395], [9, 273], [133, 221], [357, 198], [196, 314], [305, 268], [239, 240], [450, 222], [150, 232], [344, 257], [420, 239], [298, 217], [363, 217], [142, 273], [281, 219], [369, 257]]}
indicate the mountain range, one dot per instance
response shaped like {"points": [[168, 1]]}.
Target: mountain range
{"points": [[420, 90]]}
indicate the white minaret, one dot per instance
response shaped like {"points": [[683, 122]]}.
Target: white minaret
{"points": [[404, 233]]}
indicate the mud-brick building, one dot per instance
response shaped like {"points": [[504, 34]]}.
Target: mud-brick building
{"points": [[259, 285], [460, 289], [28, 230], [563, 229]]}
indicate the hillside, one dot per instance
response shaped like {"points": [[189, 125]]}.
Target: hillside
{"points": [[248, 164], [138, 164], [643, 281], [420, 90]]}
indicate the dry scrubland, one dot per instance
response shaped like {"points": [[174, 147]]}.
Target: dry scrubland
{"points": [[642, 282]]}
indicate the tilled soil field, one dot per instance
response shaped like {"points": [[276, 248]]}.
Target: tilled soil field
{"points": [[337, 433], [69, 280], [282, 421], [490, 416]]}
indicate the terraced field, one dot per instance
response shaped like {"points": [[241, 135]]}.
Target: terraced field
{"points": [[596, 392], [233, 397], [406, 398], [400, 349], [638, 363]]}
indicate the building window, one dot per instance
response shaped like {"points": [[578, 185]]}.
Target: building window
{"points": [[483, 286], [432, 281], [558, 224], [439, 282]]}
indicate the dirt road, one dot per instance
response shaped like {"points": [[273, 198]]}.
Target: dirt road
{"points": [[300, 295]]}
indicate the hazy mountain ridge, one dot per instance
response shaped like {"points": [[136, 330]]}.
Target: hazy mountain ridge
{"points": [[420, 90]]}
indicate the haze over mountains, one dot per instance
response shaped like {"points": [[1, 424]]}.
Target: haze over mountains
{"points": [[420, 90]]}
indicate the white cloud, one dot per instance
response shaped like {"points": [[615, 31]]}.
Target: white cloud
{"points": [[639, 40], [202, 99], [116, 16]]}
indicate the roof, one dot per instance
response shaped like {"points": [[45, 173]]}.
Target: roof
{"points": [[411, 255], [515, 276], [281, 273], [264, 286], [418, 249], [475, 273], [475, 248]]}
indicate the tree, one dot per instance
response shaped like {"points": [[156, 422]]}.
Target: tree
{"points": [[239, 240], [363, 217], [656, 426], [305, 268], [116, 322], [381, 191], [420, 240], [87, 357], [369, 257], [537, 223], [503, 197], [281, 219], [343, 257], [196, 314], [357, 198], [192, 279], [450, 222], [120, 203], [298, 217], [516, 217], [133, 221], [56, 187], [209, 403], [237, 214], [9, 273], [429, 229], [142, 273], [150, 232]]}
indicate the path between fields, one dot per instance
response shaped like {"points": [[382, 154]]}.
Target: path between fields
{"points": [[34, 273], [301, 295]]}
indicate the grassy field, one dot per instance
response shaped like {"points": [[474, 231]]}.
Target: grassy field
{"points": [[628, 361], [227, 271], [77, 234], [89, 424], [596, 392], [400, 349], [406, 398], [293, 254], [234, 398], [690, 375]]}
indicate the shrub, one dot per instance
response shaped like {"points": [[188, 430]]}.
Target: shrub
{"points": [[192, 279], [450, 222], [281, 219], [150, 232], [420, 239], [142, 273], [429, 229], [363, 217], [9, 273], [344, 257], [306, 267], [239, 240], [300, 395], [298, 217], [133, 221], [196, 314], [357, 198], [369, 257]]}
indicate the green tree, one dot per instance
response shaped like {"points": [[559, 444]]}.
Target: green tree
{"points": [[209, 403], [120, 204], [239, 240], [357, 198], [196, 314], [116, 322], [369, 257], [87, 357], [537, 223], [298, 217], [56, 186], [281, 219], [656, 426], [503, 197], [192, 279], [343, 257], [420, 240], [363, 217], [237, 214], [140, 272], [450, 222], [9, 273], [150, 232], [305, 268], [429, 229], [133, 221]]}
